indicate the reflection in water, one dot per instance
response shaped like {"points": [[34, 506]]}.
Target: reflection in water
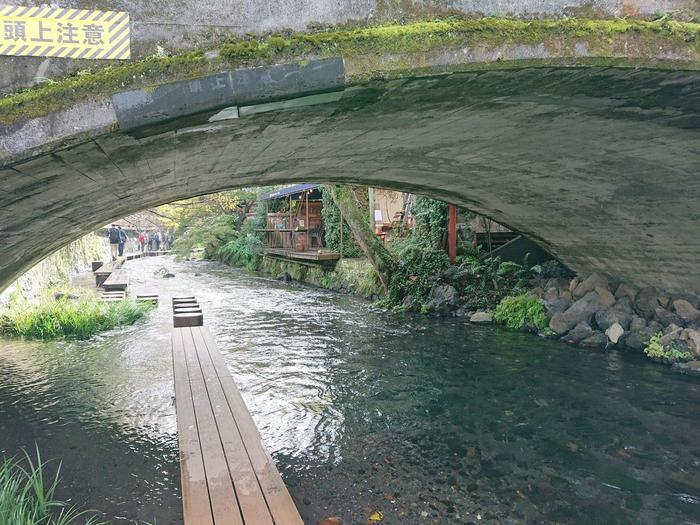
{"points": [[426, 420]]}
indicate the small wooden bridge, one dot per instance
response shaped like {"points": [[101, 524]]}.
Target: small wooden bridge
{"points": [[228, 477]]}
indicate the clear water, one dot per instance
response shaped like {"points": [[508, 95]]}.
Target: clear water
{"points": [[425, 420]]}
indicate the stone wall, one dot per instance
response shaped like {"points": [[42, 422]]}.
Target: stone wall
{"points": [[58, 268]]}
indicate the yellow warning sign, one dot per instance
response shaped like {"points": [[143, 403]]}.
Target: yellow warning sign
{"points": [[65, 33]]}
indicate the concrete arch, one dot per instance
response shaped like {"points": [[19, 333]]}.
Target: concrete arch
{"points": [[600, 165]]}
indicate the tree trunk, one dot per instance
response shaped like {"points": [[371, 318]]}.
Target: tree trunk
{"points": [[368, 242]]}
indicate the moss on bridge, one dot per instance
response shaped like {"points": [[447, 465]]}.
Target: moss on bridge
{"points": [[389, 51]]}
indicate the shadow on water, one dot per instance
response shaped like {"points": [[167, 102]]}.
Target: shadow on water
{"points": [[426, 420]]}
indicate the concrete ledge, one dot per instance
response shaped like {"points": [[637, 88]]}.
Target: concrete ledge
{"points": [[140, 108]]}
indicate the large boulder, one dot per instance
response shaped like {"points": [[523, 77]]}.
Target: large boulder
{"points": [[595, 340], [481, 318], [580, 332], [581, 310], [639, 338], [551, 294], [606, 296], [556, 306], [693, 337], [443, 298], [621, 312], [647, 301], [671, 337], [559, 283], [626, 290], [686, 311], [595, 280], [614, 333], [667, 318], [637, 322]]}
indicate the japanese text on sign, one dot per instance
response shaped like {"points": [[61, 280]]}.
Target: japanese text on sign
{"points": [[65, 33]]}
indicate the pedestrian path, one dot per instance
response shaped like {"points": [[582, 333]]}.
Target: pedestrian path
{"points": [[228, 477]]}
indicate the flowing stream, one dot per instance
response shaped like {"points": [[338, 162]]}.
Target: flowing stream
{"points": [[425, 420]]}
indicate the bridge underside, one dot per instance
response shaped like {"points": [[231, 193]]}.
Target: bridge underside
{"points": [[600, 166]]}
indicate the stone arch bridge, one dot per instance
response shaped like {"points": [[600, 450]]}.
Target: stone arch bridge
{"points": [[581, 133]]}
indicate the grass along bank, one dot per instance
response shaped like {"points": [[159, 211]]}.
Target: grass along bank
{"points": [[81, 318], [27, 496]]}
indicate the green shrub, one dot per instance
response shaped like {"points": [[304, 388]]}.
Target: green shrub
{"points": [[27, 497], [331, 223], [417, 271], [520, 310], [430, 217], [242, 250], [657, 350], [80, 319]]}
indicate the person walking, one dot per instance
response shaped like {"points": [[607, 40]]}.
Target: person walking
{"points": [[123, 237], [114, 240], [158, 239], [142, 242]]}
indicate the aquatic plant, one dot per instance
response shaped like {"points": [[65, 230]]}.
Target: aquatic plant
{"points": [[27, 496], [81, 319], [521, 310], [670, 353]]}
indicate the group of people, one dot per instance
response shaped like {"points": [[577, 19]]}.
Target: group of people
{"points": [[155, 241]]}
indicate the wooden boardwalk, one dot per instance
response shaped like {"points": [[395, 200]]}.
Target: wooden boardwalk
{"points": [[118, 280], [228, 477]]}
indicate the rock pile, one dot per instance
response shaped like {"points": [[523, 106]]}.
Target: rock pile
{"points": [[596, 312]]}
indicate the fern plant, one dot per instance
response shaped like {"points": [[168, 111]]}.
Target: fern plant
{"points": [[520, 310]]}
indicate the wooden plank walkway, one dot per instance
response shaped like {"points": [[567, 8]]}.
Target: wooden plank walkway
{"points": [[228, 477], [104, 271], [117, 280]]}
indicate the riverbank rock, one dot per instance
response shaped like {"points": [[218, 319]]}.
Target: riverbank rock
{"points": [[626, 290], [639, 338], [595, 280], [580, 332], [686, 311], [615, 332], [646, 302], [621, 312], [481, 318], [690, 368], [693, 337], [556, 306], [168, 275], [595, 340], [582, 310], [637, 322], [667, 318], [443, 298]]}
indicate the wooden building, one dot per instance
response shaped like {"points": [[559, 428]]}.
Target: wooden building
{"points": [[295, 232]]}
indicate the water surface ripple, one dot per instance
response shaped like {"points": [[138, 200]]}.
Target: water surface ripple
{"points": [[425, 420]]}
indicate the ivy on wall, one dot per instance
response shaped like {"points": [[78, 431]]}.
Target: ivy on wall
{"points": [[331, 219]]}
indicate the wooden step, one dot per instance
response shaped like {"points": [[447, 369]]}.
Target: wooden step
{"points": [[117, 280], [188, 319]]}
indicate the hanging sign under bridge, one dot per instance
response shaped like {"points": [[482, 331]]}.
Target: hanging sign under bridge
{"points": [[64, 33]]}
